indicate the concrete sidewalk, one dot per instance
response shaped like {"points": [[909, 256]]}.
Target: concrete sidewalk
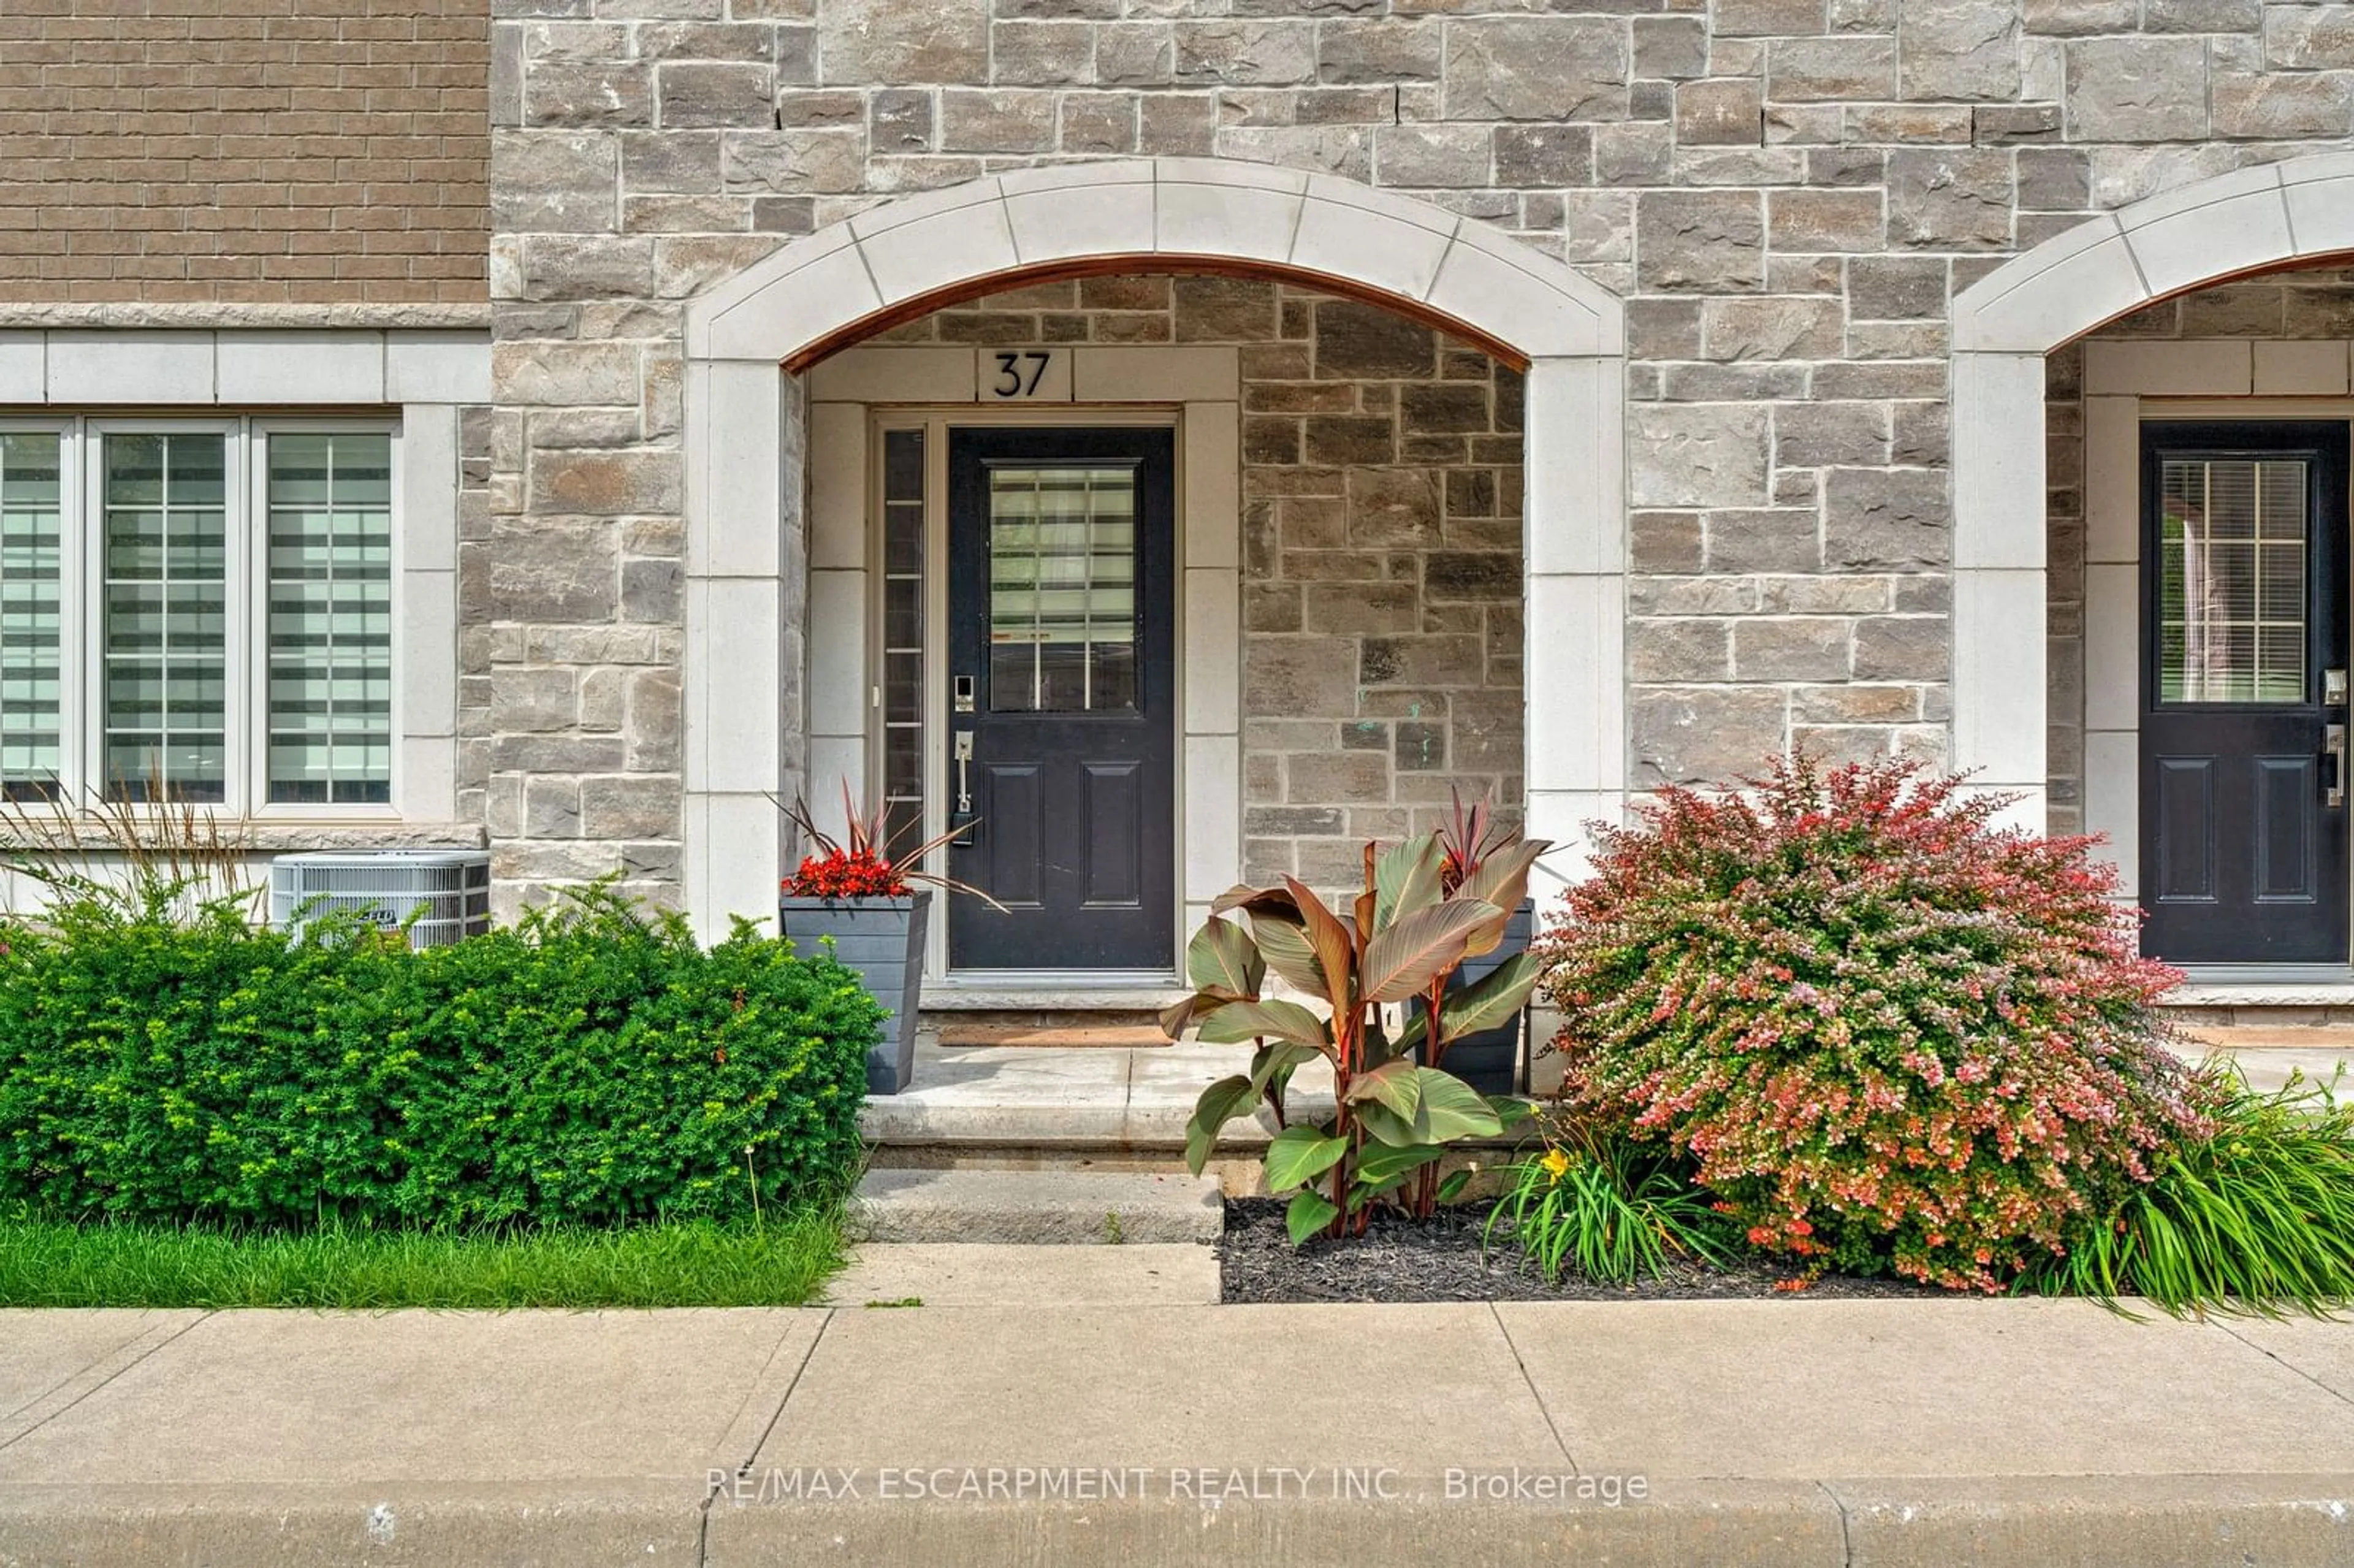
{"points": [[1802, 1431]]}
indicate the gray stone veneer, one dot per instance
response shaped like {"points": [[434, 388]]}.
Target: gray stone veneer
{"points": [[1789, 192]]}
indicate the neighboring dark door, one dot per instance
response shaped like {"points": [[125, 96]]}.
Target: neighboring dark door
{"points": [[1061, 644], [2243, 701]]}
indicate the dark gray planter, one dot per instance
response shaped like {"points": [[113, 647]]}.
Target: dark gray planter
{"points": [[1492, 1060], [882, 939]]}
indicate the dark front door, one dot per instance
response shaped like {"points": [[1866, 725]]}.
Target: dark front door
{"points": [[1062, 719], [2244, 692]]}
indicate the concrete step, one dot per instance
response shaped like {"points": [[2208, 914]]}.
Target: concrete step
{"points": [[1037, 1207], [965, 1274]]}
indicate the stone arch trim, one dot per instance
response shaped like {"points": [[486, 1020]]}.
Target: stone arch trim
{"points": [[2252, 220], [746, 544], [917, 253]]}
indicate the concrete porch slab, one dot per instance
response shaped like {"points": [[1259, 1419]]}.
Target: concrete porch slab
{"points": [[1034, 1207]]}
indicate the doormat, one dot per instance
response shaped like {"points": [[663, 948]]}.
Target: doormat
{"points": [[1119, 1036]]}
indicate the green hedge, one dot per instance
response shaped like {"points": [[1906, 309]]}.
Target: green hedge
{"points": [[590, 1065]]}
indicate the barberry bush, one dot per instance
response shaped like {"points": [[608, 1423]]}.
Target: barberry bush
{"points": [[1888, 1034]]}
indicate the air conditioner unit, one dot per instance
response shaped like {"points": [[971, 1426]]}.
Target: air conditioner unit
{"points": [[448, 891]]}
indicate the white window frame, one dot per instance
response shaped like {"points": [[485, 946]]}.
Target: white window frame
{"points": [[245, 502]]}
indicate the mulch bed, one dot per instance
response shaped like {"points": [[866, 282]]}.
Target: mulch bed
{"points": [[1399, 1259]]}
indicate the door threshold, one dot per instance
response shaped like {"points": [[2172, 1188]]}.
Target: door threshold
{"points": [[1059, 990]]}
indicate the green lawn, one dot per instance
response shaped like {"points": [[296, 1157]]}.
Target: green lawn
{"points": [[784, 1263]]}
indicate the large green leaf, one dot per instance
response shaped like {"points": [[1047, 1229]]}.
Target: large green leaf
{"points": [[1452, 1109], [1310, 1211], [1501, 880], [1220, 1104], [1393, 1085], [1273, 1066], [1384, 1125], [1380, 1164], [1406, 879], [1222, 959], [1240, 1021], [1511, 1109], [1336, 949], [1419, 948], [1496, 998], [1282, 939], [1451, 1185], [1300, 1154]]}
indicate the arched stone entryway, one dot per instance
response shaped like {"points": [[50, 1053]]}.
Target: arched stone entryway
{"points": [[748, 340], [2247, 222]]}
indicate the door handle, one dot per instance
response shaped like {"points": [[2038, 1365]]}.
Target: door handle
{"points": [[2333, 746]]}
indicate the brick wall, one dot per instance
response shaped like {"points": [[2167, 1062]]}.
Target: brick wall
{"points": [[247, 151]]}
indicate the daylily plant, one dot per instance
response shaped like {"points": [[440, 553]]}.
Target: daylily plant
{"points": [[1403, 937]]}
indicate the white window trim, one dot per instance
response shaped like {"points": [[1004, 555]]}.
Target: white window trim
{"points": [[82, 730]]}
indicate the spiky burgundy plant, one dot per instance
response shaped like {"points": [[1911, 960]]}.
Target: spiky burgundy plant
{"points": [[1889, 1034]]}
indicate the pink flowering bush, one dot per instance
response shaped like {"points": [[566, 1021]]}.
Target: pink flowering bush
{"points": [[1886, 1033]]}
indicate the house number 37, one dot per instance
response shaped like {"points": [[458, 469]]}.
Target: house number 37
{"points": [[1018, 374]]}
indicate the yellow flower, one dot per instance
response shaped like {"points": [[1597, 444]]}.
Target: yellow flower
{"points": [[1556, 1164]]}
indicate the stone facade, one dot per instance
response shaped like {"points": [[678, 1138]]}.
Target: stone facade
{"points": [[1789, 192], [253, 152], [2314, 307], [1381, 483]]}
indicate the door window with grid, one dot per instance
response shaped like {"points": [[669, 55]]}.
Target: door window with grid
{"points": [[196, 612]]}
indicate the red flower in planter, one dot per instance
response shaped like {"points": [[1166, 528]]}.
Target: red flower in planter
{"points": [[866, 862]]}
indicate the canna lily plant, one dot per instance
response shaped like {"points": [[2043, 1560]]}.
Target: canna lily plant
{"points": [[1400, 940]]}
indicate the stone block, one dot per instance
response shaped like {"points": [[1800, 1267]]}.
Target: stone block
{"points": [[587, 93], [1680, 650], [553, 572], [1343, 777], [1879, 518], [1245, 51], [1544, 154], [553, 182], [1671, 48], [1799, 220], [1903, 647], [1773, 328], [1344, 438], [1392, 507], [630, 807], [1856, 69], [717, 93], [1949, 198], [890, 43], [1536, 68], [1700, 240], [1748, 539], [1427, 661], [1223, 310], [1475, 575], [1696, 455], [1797, 648], [525, 701], [551, 807], [1831, 435], [1446, 157], [1298, 675], [1704, 735], [1897, 288], [1357, 341], [1966, 49], [1768, 18], [2136, 90], [604, 484], [899, 119], [793, 163], [1722, 112], [1380, 53], [559, 373], [2320, 105], [1042, 54]]}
